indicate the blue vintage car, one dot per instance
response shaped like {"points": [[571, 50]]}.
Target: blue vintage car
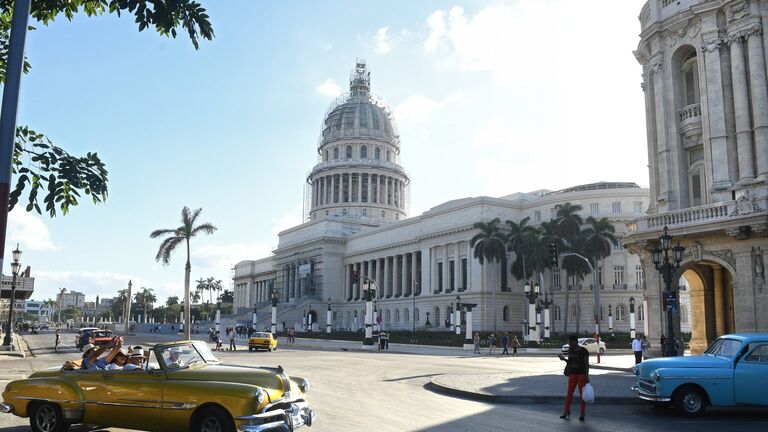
{"points": [[732, 371]]}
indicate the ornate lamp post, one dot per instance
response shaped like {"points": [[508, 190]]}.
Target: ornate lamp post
{"points": [[668, 268], [546, 303], [450, 317], [610, 319], [539, 323], [632, 317], [368, 293], [328, 317], [427, 324], [255, 317], [309, 319], [274, 312], [304, 320], [15, 266], [457, 318], [532, 294]]}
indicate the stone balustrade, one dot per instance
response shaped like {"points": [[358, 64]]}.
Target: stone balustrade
{"points": [[690, 216], [690, 112]]}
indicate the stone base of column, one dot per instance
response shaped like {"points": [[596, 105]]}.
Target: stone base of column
{"points": [[469, 346]]}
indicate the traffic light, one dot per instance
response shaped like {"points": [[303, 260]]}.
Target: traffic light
{"points": [[355, 276], [553, 255]]}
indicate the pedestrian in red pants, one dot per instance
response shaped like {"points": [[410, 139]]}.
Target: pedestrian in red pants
{"points": [[577, 371]]}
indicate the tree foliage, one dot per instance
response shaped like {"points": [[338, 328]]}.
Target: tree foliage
{"points": [[42, 166]]}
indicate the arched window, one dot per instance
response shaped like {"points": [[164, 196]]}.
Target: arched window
{"points": [[389, 158], [620, 313], [505, 314], [641, 313], [397, 315], [387, 317], [557, 313], [363, 152], [349, 152], [377, 153], [690, 79], [406, 315], [335, 152], [416, 315], [574, 313], [326, 155], [436, 316]]}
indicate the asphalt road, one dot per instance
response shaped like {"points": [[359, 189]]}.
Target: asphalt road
{"points": [[374, 391]]}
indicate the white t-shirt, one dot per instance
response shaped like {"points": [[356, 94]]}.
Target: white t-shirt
{"points": [[637, 345]]}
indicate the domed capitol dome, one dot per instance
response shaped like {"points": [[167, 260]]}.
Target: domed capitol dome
{"points": [[358, 173]]}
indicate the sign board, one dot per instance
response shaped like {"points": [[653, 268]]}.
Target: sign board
{"points": [[670, 301]]}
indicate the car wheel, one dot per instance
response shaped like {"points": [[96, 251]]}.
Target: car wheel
{"points": [[213, 419], [602, 350], [46, 417], [270, 349], [690, 401], [250, 349]]}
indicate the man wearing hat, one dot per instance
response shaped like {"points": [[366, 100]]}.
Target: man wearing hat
{"points": [[135, 361], [119, 360], [174, 360], [91, 354]]}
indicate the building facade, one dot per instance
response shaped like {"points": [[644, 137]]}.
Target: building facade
{"points": [[706, 100], [358, 225]]}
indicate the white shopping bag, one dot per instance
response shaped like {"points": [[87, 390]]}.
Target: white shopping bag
{"points": [[588, 393]]}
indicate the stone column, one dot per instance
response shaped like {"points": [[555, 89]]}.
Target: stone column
{"points": [[387, 278], [386, 190], [426, 276], [469, 343], [759, 94], [369, 186], [404, 275], [358, 285], [360, 187], [662, 150], [716, 114], [457, 268], [717, 276], [741, 107], [333, 188], [347, 285], [363, 274], [396, 266]]}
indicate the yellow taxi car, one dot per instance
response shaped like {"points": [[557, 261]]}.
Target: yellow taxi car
{"points": [[263, 340], [182, 387]]}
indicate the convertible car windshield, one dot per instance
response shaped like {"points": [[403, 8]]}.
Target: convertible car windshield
{"points": [[185, 354], [724, 347]]}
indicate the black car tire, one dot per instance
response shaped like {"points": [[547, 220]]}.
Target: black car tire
{"points": [[250, 349], [212, 419], [270, 349], [47, 417], [690, 401]]}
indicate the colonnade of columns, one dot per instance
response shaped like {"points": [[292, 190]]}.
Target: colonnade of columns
{"points": [[396, 276], [262, 290], [358, 187], [295, 285]]}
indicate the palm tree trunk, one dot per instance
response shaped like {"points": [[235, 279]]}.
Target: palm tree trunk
{"points": [[187, 321], [578, 307]]}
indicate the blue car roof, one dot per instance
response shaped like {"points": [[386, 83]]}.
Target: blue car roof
{"points": [[747, 337]]}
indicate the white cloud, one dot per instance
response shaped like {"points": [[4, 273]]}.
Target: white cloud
{"points": [[436, 24], [327, 47], [329, 88], [381, 40], [415, 108], [29, 231], [224, 257], [287, 220], [91, 284]]}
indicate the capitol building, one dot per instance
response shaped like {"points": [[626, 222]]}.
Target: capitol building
{"points": [[358, 224]]}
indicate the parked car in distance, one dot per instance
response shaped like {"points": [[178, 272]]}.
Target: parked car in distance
{"points": [[182, 387], [83, 335], [590, 344], [262, 340], [733, 371], [101, 337]]}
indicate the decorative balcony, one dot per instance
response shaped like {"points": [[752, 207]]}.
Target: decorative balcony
{"points": [[690, 120]]}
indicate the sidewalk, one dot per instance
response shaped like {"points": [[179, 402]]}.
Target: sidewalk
{"points": [[18, 345]]}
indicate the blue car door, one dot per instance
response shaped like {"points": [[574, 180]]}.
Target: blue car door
{"points": [[751, 377]]}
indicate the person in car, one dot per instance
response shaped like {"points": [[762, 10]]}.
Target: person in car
{"points": [[174, 358], [119, 360], [91, 354], [135, 361]]}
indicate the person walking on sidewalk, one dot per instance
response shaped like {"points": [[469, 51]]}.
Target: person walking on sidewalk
{"points": [[232, 336], [646, 348], [515, 346], [637, 348], [577, 371], [492, 344], [476, 340], [505, 344], [58, 341]]}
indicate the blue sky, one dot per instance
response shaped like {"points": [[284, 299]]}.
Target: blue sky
{"points": [[490, 98]]}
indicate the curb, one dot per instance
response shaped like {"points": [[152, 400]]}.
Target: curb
{"points": [[612, 368], [523, 399]]}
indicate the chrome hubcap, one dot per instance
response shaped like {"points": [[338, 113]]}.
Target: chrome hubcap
{"points": [[46, 418], [210, 424], [692, 402]]}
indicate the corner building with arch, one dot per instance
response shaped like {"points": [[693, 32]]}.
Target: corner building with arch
{"points": [[358, 223], [706, 100]]}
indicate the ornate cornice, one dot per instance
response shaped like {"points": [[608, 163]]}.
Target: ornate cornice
{"points": [[744, 33], [738, 10], [711, 45]]}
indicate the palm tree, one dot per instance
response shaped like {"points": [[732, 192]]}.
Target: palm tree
{"points": [[177, 236], [576, 267], [228, 298], [568, 224], [489, 245], [601, 236], [146, 296], [519, 241], [202, 286]]}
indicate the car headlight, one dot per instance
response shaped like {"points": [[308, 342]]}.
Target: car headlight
{"points": [[655, 375], [260, 396], [303, 384]]}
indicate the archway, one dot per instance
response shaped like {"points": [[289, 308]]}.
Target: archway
{"points": [[711, 290]]}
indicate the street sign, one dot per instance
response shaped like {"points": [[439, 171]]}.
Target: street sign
{"points": [[670, 301]]}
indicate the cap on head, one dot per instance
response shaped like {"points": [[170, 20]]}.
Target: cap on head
{"points": [[88, 347]]}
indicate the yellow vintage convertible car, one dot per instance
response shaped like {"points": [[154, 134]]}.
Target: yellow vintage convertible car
{"points": [[263, 340], [182, 387]]}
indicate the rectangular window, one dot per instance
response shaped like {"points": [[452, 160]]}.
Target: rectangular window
{"points": [[638, 206], [355, 186], [594, 208], [618, 275], [696, 189], [616, 207], [556, 278], [640, 275], [618, 246], [451, 277], [439, 277], [537, 215], [463, 275]]}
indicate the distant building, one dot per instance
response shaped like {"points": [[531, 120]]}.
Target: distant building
{"points": [[25, 286], [70, 300]]}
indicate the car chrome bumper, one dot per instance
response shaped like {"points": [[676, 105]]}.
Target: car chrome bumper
{"points": [[649, 396], [5, 408], [298, 414]]}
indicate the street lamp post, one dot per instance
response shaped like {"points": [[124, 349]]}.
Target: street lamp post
{"points": [[309, 319], [632, 317], [368, 292], [539, 323], [304, 320], [255, 317], [546, 303], [328, 317], [532, 294], [14, 271], [457, 318], [450, 317], [668, 268], [610, 319], [274, 312]]}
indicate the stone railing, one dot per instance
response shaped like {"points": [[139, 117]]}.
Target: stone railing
{"points": [[665, 3], [690, 216], [690, 111]]}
